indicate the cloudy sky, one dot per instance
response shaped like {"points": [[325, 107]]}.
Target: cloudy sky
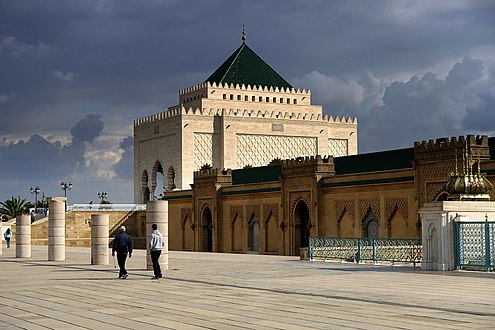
{"points": [[75, 74]]}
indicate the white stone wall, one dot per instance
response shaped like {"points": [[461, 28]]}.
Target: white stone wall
{"points": [[234, 133], [438, 229]]}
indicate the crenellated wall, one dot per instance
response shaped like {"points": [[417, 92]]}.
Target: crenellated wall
{"points": [[435, 159]]}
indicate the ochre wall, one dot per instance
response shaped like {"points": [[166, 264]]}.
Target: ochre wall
{"points": [[78, 227]]}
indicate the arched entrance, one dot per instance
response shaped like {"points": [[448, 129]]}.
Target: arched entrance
{"points": [[156, 178], [206, 230], [254, 234], [144, 187], [301, 226], [370, 225]]}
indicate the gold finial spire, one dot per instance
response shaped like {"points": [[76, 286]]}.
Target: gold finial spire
{"points": [[243, 33]]}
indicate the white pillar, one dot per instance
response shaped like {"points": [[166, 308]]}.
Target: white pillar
{"points": [[56, 229], [23, 236], [157, 212], [1, 238], [438, 229], [99, 239]]}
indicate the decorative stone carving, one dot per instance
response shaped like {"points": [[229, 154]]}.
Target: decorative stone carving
{"points": [[343, 207], [337, 147], [393, 205], [185, 214], [258, 150], [433, 189], [252, 209], [294, 198], [270, 210], [366, 204]]}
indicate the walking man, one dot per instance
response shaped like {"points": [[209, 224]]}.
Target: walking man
{"points": [[156, 245], [122, 244]]}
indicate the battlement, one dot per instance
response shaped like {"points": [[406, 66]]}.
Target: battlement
{"points": [[249, 88], [180, 110], [212, 173], [307, 161], [453, 143]]}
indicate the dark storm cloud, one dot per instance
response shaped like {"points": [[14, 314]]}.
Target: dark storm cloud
{"points": [[40, 161], [429, 107], [124, 168], [87, 129], [60, 60]]}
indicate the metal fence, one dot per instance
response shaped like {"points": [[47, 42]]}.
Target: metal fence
{"points": [[369, 249], [475, 245]]}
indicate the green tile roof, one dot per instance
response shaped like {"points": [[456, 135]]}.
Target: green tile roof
{"points": [[245, 67], [376, 161], [256, 174]]}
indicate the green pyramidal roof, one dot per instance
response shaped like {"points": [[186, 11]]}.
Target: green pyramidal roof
{"points": [[245, 67]]}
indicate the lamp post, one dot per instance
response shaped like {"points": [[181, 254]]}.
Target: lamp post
{"points": [[103, 196], [35, 192], [66, 186]]}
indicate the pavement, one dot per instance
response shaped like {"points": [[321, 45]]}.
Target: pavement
{"points": [[237, 291]]}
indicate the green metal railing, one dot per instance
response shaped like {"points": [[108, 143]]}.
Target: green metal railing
{"points": [[369, 249], [475, 245]]}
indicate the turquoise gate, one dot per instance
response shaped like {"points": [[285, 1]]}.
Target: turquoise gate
{"points": [[475, 245], [370, 249]]}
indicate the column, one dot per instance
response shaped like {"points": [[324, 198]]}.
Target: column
{"points": [[1, 238], [157, 212], [99, 239], [23, 236], [56, 229]]}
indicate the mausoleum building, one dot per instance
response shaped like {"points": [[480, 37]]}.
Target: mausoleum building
{"points": [[244, 114], [249, 165]]}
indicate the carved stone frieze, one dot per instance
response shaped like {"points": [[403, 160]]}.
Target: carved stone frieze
{"points": [[253, 210], [185, 214], [366, 204], [433, 189], [342, 207], [236, 213], [270, 209], [396, 204]]}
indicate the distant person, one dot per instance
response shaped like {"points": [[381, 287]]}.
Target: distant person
{"points": [[156, 245], [122, 244], [7, 235]]}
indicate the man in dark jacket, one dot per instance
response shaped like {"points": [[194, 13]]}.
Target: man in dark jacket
{"points": [[122, 244]]}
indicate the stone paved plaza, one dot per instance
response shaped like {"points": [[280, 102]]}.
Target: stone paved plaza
{"points": [[228, 291]]}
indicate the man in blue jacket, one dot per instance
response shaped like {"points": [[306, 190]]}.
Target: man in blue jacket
{"points": [[122, 244]]}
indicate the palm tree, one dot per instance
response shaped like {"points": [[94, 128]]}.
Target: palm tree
{"points": [[15, 206]]}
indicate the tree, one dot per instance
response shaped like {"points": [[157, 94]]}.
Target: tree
{"points": [[15, 206]]}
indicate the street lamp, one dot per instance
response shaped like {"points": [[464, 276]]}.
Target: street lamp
{"points": [[35, 192], [66, 186], [103, 196]]}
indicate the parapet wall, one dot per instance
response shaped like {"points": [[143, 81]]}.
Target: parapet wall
{"points": [[306, 161], [270, 89], [309, 164], [286, 115], [211, 173], [451, 147]]}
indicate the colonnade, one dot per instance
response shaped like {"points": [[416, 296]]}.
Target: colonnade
{"points": [[156, 213]]}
